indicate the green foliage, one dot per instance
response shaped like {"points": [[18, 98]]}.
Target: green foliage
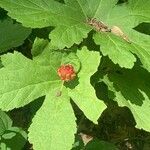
{"points": [[32, 80], [38, 77], [38, 47], [133, 13], [70, 22], [10, 137], [132, 92], [12, 34], [141, 48], [24, 79], [116, 48], [5, 122], [50, 128], [87, 101]]}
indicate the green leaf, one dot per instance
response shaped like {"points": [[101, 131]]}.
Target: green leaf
{"points": [[117, 49], [66, 36], [84, 94], [38, 77], [18, 138], [136, 11], [141, 9], [38, 46], [71, 58], [18, 131], [42, 13], [22, 80], [131, 89], [8, 135], [8, 138], [12, 34], [70, 21], [141, 47], [5, 122], [93, 8], [54, 124], [3, 146], [83, 100], [33, 79]]}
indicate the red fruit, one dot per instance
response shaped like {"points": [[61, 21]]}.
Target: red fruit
{"points": [[66, 72]]}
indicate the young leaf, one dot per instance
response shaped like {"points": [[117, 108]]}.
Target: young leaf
{"points": [[12, 34], [54, 124]]}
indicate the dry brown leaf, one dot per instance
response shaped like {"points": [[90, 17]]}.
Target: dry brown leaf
{"points": [[117, 31], [98, 25], [86, 138]]}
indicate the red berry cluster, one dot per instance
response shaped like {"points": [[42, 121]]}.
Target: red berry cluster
{"points": [[66, 72]]}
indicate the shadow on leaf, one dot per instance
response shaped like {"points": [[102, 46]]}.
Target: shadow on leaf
{"points": [[72, 84]]}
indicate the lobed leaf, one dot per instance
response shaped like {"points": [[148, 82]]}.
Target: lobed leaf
{"points": [[54, 124], [84, 94], [141, 47], [117, 49], [22, 80], [132, 13], [132, 90], [69, 20]]}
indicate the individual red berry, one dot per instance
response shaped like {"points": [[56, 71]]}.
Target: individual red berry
{"points": [[66, 72]]}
